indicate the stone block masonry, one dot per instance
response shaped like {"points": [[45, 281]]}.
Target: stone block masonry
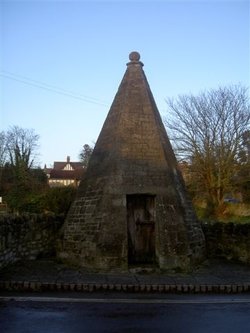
{"points": [[132, 208], [31, 236], [228, 240], [27, 236]]}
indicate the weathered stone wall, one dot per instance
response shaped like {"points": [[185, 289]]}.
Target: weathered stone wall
{"points": [[27, 236], [30, 236], [228, 240]]}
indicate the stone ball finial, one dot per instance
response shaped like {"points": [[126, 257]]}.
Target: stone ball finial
{"points": [[134, 56]]}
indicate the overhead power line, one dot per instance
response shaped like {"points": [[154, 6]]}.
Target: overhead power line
{"points": [[52, 88]]}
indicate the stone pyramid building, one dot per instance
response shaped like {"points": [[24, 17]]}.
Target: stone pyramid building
{"points": [[131, 207]]}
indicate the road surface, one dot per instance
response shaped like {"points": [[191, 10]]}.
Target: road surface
{"points": [[124, 313]]}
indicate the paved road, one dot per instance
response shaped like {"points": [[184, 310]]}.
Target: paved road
{"points": [[125, 313]]}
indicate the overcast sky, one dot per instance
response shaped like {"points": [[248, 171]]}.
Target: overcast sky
{"points": [[62, 61]]}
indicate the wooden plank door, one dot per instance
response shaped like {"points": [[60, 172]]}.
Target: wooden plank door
{"points": [[141, 228]]}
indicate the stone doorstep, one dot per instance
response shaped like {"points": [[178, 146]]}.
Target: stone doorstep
{"points": [[155, 288]]}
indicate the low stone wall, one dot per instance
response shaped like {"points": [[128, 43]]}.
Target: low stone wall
{"points": [[228, 240], [27, 236], [30, 236]]}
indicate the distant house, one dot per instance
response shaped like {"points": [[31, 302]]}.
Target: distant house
{"points": [[65, 173]]}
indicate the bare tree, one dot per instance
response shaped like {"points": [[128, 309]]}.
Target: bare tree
{"points": [[2, 155], [207, 132], [22, 146], [2, 149], [85, 154], [18, 181]]}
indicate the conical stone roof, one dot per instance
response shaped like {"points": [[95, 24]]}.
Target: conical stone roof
{"points": [[131, 207]]}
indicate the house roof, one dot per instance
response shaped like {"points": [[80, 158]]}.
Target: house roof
{"points": [[62, 165], [66, 170]]}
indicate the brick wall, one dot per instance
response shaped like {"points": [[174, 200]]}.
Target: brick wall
{"points": [[27, 236], [228, 240]]}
